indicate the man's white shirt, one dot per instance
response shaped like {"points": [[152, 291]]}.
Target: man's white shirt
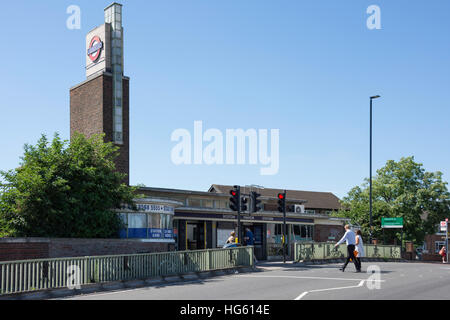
{"points": [[349, 238]]}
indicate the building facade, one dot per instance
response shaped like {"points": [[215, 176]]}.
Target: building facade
{"points": [[184, 219], [204, 220]]}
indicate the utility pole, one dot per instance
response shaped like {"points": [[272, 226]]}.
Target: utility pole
{"points": [[446, 237], [370, 173]]}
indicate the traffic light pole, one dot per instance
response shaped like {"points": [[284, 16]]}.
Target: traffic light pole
{"points": [[239, 215]]}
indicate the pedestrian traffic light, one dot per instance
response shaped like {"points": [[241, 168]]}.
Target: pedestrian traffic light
{"points": [[281, 202], [243, 204], [255, 202], [234, 199]]}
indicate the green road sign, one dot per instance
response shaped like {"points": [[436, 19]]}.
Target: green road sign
{"points": [[392, 222]]}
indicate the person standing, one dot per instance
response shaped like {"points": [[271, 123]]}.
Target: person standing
{"points": [[359, 248], [250, 241], [350, 239], [443, 254], [232, 237]]}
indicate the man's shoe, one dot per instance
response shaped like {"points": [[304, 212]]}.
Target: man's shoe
{"points": [[358, 270], [342, 269]]}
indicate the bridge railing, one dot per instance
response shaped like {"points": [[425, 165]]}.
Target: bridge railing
{"points": [[31, 275], [323, 250]]}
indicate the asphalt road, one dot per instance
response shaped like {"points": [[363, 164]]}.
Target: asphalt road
{"points": [[294, 282]]}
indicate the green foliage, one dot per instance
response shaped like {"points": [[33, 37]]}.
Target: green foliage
{"points": [[64, 189], [400, 189]]}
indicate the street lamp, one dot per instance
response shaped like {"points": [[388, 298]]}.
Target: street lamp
{"points": [[370, 174]]}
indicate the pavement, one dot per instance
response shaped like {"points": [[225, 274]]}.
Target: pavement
{"points": [[292, 281]]}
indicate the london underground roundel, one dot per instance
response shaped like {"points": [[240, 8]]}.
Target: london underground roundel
{"points": [[95, 49]]}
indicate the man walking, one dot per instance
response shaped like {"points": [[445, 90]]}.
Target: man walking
{"points": [[350, 239]]}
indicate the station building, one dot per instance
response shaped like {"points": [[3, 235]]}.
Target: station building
{"points": [[190, 220], [182, 219]]}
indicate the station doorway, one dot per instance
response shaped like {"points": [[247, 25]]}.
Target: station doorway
{"points": [[194, 235], [258, 230]]}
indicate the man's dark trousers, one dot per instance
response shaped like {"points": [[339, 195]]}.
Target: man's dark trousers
{"points": [[351, 255]]}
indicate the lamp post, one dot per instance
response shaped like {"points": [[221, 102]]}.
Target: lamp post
{"points": [[370, 174]]}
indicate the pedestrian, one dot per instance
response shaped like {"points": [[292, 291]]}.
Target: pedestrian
{"points": [[350, 239], [250, 241], [232, 237], [443, 254], [359, 248]]}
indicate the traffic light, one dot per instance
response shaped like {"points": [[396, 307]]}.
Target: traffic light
{"points": [[282, 202], [234, 199], [243, 204], [255, 202]]}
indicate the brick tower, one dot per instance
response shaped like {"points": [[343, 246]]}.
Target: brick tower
{"points": [[100, 104]]}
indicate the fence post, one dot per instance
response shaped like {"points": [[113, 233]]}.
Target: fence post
{"points": [[208, 260]]}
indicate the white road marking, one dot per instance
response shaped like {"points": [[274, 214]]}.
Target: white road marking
{"points": [[329, 289], [315, 278], [302, 295]]}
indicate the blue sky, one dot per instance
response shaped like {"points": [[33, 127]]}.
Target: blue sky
{"points": [[304, 67]]}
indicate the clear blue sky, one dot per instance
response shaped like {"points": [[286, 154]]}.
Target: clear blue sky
{"points": [[304, 67]]}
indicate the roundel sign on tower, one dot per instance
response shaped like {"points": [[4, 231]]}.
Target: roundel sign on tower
{"points": [[95, 49]]}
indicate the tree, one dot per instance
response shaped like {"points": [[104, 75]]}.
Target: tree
{"points": [[400, 189], [64, 189]]}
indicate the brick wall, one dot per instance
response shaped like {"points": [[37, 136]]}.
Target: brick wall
{"points": [[23, 249], [431, 257], [91, 112], [430, 241], [40, 248]]}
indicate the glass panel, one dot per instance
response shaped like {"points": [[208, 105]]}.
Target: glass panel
{"points": [[219, 204], [155, 221], [118, 136], [207, 203], [303, 232], [194, 203], [124, 218], [137, 220]]}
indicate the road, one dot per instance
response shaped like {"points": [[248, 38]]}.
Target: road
{"points": [[295, 282]]}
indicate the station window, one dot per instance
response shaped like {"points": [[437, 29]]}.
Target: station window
{"points": [[438, 246], [154, 221], [166, 221], [137, 220], [194, 203], [220, 204], [303, 232], [207, 203]]}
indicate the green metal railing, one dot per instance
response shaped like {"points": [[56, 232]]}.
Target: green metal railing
{"points": [[31, 275], [312, 251]]}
